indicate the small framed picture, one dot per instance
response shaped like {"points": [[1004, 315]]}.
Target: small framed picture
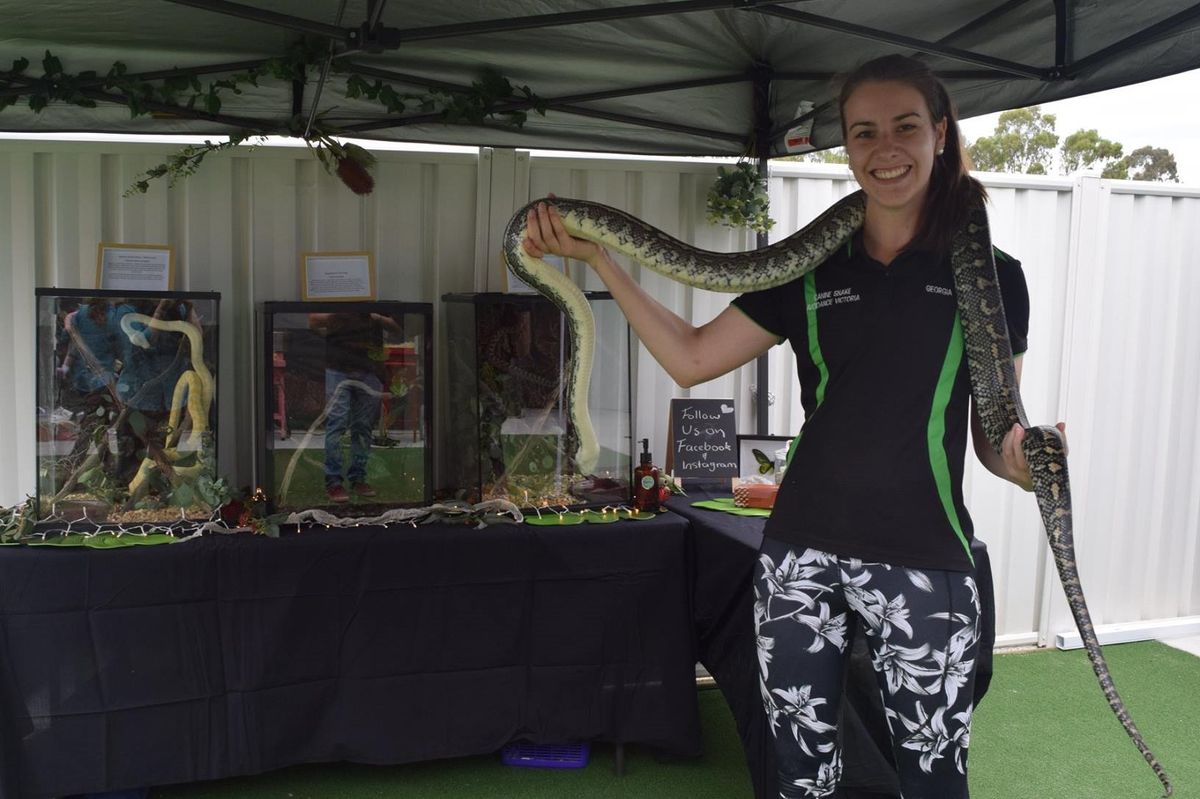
{"points": [[337, 276], [135, 267], [756, 454]]}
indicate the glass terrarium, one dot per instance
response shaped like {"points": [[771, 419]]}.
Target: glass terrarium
{"points": [[347, 414], [126, 406], [507, 433]]}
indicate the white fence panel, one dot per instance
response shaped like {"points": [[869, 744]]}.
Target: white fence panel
{"points": [[1031, 222], [1131, 386]]}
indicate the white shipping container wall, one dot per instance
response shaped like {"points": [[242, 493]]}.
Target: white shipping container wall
{"points": [[1114, 340]]}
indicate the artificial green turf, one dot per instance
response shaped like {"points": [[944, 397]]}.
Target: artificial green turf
{"points": [[1044, 730], [720, 773], [396, 473]]}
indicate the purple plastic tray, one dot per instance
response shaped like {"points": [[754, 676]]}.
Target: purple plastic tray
{"points": [[545, 755]]}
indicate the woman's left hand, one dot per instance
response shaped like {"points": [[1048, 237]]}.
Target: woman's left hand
{"points": [[1015, 465]]}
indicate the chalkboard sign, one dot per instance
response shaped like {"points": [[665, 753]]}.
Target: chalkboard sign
{"points": [[703, 439]]}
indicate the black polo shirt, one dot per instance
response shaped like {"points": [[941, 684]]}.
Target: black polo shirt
{"points": [[877, 471]]}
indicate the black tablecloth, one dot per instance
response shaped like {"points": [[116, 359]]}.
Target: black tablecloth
{"points": [[239, 654], [724, 552]]}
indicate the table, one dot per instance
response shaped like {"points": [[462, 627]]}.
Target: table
{"points": [[724, 554], [233, 655]]}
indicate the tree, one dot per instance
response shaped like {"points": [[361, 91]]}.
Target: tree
{"points": [[1151, 163], [834, 155], [1023, 142], [1086, 148]]}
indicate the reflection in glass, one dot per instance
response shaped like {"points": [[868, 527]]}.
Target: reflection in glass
{"points": [[347, 420], [126, 396], [507, 431]]}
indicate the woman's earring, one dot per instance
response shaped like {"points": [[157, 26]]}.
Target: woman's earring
{"points": [[941, 150]]}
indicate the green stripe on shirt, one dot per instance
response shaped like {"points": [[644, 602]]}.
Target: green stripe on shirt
{"points": [[814, 344], [936, 432], [814, 349]]}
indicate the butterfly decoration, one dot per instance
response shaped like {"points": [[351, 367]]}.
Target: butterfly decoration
{"points": [[765, 464]]}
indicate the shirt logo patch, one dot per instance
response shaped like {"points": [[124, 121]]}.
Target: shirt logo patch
{"points": [[834, 297], [932, 289]]}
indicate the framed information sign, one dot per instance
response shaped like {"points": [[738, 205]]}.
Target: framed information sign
{"points": [[333, 276], [135, 267]]}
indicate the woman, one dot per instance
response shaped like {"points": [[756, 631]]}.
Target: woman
{"points": [[869, 521]]}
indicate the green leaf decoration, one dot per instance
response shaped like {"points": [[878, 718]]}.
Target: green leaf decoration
{"points": [[391, 100], [51, 65], [105, 540], [554, 519], [484, 101], [738, 198], [183, 496]]}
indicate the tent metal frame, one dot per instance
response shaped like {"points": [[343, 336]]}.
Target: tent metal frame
{"points": [[371, 36]]}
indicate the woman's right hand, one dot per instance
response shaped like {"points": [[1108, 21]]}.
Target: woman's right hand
{"points": [[547, 236]]}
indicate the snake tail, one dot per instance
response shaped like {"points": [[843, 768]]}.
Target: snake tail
{"points": [[1045, 452], [998, 401]]}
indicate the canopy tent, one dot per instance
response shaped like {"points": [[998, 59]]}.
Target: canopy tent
{"points": [[687, 77], [682, 77]]}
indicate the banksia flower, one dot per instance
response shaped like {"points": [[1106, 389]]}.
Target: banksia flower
{"points": [[351, 163], [355, 176], [231, 512]]}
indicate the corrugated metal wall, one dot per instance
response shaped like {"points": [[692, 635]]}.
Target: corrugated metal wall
{"points": [[1114, 342]]}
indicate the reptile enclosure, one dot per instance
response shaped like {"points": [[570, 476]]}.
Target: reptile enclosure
{"points": [[507, 433], [126, 405]]}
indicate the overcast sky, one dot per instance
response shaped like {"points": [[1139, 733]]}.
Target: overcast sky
{"points": [[1160, 113]]}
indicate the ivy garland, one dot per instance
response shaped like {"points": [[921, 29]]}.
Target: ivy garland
{"points": [[489, 98]]}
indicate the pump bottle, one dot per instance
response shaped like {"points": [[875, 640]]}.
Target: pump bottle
{"points": [[645, 481]]}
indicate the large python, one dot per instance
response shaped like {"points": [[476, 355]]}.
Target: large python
{"points": [[981, 314], [196, 384]]}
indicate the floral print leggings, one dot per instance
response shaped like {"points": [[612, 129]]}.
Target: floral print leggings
{"points": [[922, 629]]}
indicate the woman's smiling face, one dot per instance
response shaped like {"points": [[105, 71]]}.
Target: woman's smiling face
{"points": [[892, 143]]}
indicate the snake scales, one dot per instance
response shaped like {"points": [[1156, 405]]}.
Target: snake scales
{"points": [[985, 334]]}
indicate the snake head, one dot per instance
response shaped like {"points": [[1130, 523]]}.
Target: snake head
{"points": [[139, 339]]}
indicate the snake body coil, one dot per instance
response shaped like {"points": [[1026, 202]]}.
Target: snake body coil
{"points": [[196, 384], [985, 335]]}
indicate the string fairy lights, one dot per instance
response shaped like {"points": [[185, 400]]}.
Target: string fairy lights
{"points": [[19, 524]]}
